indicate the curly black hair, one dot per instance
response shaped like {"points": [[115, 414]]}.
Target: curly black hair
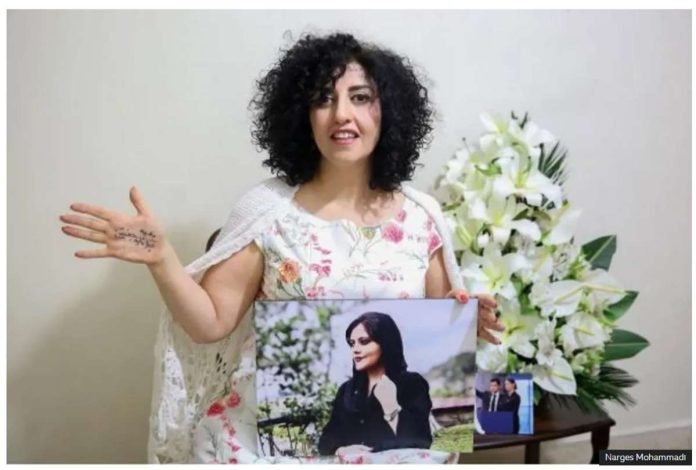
{"points": [[308, 70]]}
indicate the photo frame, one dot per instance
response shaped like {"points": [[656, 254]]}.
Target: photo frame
{"points": [[317, 390]]}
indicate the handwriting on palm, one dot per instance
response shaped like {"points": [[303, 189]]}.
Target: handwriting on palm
{"points": [[138, 238]]}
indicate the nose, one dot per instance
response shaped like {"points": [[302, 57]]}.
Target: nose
{"points": [[343, 112]]}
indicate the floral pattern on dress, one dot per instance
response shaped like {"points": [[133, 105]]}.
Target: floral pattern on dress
{"points": [[309, 258], [306, 257]]}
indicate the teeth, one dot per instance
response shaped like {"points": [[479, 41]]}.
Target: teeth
{"points": [[344, 135]]}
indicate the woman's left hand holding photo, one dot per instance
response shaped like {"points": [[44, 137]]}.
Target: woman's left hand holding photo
{"points": [[487, 319]]}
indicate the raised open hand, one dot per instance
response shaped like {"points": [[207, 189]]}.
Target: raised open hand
{"points": [[136, 238]]}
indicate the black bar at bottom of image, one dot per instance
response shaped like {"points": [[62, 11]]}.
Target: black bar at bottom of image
{"points": [[644, 457]]}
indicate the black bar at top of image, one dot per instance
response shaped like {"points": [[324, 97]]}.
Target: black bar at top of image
{"points": [[644, 457]]}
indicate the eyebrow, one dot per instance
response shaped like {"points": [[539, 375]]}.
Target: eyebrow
{"points": [[359, 87]]}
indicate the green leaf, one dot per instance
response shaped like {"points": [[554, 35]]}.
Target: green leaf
{"points": [[553, 164], [600, 251], [624, 344], [537, 394], [526, 307], [512, 362], [615, 311]]}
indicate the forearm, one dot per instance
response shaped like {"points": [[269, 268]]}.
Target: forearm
{"points": [[189, 303]]}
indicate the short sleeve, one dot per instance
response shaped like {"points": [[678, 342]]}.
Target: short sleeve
{"points": [[259, 242]]}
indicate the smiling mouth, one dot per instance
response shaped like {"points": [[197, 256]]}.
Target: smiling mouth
{"points": [[344, 137]]}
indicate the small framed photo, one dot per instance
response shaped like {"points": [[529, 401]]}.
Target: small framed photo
{"points": [[504, 403], [371, 374]]}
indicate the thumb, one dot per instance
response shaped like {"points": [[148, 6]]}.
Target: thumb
{"points": [[138, 201]]}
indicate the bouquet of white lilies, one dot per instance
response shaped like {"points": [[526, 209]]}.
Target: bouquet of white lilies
{"points": [[512, 227]]}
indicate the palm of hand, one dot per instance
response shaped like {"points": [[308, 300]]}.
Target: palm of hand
{"points": [[139, 238]]}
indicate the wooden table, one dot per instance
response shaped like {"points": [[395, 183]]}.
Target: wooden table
{"points": [[555, 422]]}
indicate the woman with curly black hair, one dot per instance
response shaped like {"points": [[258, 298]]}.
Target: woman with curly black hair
{"points": [[300, 89], [343, 122]]}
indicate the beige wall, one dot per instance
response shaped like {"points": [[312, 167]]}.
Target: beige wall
{"points": [[98, 101]]}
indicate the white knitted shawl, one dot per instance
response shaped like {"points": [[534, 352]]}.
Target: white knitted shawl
{"points": [[186, 376]]}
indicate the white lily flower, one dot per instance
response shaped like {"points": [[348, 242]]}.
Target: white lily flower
{"points": [[464, 227], [561, 226], [577, 363], [491, 273], [582, 331], [519, 329], [497, 135], [604, 289], [520, 176], [541, 264], [499, 214], [559, 299], [454, 168], [562, 298], [491, 357], [552, 371], [557, 377], [545, 333], [563, 256], [531, 138], [482, 240]]}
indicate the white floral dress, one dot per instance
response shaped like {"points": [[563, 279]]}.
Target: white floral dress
{"points": [[306, 257]]}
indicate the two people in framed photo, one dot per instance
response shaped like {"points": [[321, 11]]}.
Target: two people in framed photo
{"points": [[502, 398]]}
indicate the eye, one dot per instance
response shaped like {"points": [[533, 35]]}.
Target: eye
{"points": [[362, 98], [364, 341], [323, 100]]}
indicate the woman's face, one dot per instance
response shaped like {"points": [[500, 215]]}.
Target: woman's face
{"points": [[509, 386], [346, 125], [366, 352]]}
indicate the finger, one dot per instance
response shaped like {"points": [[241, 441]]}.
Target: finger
{"points": [[103, 253], [90, 235], [460, 294], [96, 225], [487, 336], [97, 211], [487, 316], [497, 326], [488, 320], [486, 300], [137, 199]]}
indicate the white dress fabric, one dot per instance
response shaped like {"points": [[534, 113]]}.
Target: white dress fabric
{"points": [[203, 406]]}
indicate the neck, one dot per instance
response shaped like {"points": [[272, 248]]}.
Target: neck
{"points": [[374, 375], [347, 185]]}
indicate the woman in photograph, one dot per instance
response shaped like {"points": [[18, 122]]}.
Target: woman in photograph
{"points": [[383, 406], [343, 123], [512, 403]]}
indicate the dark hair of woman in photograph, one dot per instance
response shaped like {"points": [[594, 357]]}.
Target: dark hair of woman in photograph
{"points": [[305, 77], [383, 406], [512, 403]]}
